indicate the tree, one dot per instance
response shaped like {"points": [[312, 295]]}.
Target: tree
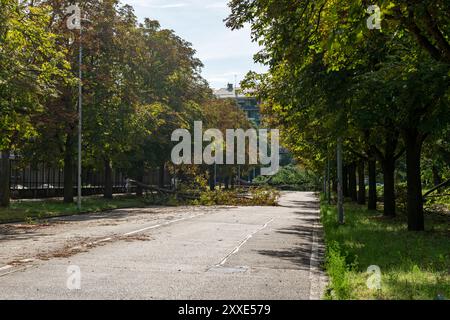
{"points": [[413, 47], [110, 86], [224, 114], [31, 65]]}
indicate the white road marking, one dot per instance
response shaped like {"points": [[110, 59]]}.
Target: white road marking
{"points": [[16, 270], [6, 267], [236, 250], [160, 225]]}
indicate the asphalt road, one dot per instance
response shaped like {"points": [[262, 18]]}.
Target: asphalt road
{"points": [[169, 253]]}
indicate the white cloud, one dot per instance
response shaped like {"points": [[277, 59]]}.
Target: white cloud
{"points": [[217, 5], [224, 53], [155, 4], [169, 6]]}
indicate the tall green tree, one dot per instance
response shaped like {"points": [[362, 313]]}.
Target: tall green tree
{"points": [[31, 64]]}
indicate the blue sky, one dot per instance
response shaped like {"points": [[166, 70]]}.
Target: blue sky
{"points": [[225, 53]]}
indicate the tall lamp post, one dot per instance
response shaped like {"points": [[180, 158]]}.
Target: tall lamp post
{"points": [[74, 23]]}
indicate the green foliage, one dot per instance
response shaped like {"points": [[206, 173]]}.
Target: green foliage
{"points": [[140, 83], [413, 265], [381, 91], [263, 196], [33, 212], [337, 268], [32, 63], [260, 196], [294, 177]]}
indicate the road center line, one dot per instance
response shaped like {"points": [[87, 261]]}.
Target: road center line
{"points": [[236, 250], [160, 225]]}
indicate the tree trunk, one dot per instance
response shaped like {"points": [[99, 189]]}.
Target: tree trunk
{"points": [[108, 192], [212, 183], [437, 178], [68, 170], [361, 183], [352, 182], [345, 182], [227, 182], [389, 187], [140, 178], [5, 179], [162, 173], [414, 143], [334, 185], [372, 185]]}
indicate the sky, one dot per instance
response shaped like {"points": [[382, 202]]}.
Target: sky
{"points": [[227, 55]]}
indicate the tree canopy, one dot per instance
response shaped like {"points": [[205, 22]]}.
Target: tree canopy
{"points": [[384, 90]]}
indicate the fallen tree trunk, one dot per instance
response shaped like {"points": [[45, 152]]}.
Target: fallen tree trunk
{"points": [[442, 185], [163, 191]]}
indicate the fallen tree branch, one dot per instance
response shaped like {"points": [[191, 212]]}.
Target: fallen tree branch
{"points": [[163, 191], [442, 185]]}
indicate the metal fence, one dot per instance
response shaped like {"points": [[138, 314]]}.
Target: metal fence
{"points": [[40, 180]]}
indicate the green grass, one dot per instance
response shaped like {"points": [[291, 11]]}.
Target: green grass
{"points": [[413, 265], [29, 211]]}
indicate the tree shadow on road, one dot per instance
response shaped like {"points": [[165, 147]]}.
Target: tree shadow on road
{"points": [[301, 254], [17, 232], [303, 205], [36, 229]]}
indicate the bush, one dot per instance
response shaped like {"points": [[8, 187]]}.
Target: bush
{"points": [[259, 196], [337, 268], [264, 196], [294, 177]]}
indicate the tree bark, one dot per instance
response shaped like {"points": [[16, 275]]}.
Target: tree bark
{"points": [[108, 192], [140, 178], [437, 178], [352, 182], [345, 182], [414, 142], [68, 170], [5, 179], [334, 185], [372, 205], [212, 183], [389, 187], [361, 183], [227, 182], [162, 172]]}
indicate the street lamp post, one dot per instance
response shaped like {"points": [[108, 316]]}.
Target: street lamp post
{"points": [[74, 23], [80, 117]]}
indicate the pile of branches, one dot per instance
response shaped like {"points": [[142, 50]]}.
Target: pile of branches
{"points": [[163, 192]]}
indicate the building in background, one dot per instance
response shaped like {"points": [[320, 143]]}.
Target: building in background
{"points": [[248, 104]]}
